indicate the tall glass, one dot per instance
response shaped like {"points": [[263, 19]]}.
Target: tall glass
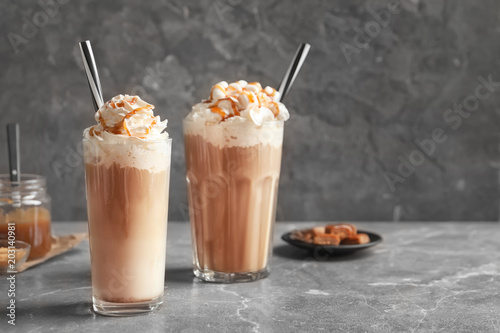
{"points": [[127, 187], [232, 175]]}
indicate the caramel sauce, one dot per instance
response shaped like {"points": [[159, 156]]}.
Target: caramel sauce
{"points": [[213, 88], [125, 127], [122, 103], [131, 113], [258, 99], [101, 120], [250, 96], [257, 84], [121, 126], [272, 93], [32, 227], [276, 109], [219, 111], [150, 128], [215, 108], [261, 97]]}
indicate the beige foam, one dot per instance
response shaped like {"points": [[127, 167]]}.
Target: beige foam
{"points": [[152, 156], [236, 132]]}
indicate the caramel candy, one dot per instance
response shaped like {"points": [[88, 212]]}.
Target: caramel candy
{"points": [[303, 235], [342, 230], [333, 234], [308, 237], [326, 239], [357, 239], [318, 231]]}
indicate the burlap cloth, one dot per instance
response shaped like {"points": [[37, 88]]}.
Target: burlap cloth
{"points": [[60, 244]]}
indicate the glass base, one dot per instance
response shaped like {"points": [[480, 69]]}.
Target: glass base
{"points": [[126, 309], [222, 277]]}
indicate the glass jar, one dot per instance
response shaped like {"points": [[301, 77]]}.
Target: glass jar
{"points": [[26, 205]]}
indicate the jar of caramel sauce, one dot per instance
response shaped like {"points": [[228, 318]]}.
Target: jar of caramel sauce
{"points": [[26, 205]]}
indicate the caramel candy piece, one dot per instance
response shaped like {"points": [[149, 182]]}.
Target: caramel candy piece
{"points": [[357, 239], [308, 237], [326, 239], [318, 231], [342, 230], [303, 235]]}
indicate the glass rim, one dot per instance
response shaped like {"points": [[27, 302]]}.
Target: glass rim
{"points": [[26, 179]]}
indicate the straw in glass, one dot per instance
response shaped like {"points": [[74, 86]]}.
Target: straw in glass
{"points": [[293, 70], [91, 73]]}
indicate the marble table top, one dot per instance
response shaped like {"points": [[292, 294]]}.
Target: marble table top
{"points": [[424, 277]]}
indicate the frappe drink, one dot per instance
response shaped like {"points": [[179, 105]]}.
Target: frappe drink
{"points": [[127, 168], [233, 145]]}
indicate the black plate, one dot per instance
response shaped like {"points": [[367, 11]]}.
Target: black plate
{"points": [[334, 249]]}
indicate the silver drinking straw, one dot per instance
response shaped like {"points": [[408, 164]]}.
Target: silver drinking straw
{"points": [[92, 75], [293, 70], [14, 155], [14, 162]]}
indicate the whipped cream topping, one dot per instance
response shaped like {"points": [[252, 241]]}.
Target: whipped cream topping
{"points": [[240, 101], [127, 117]]}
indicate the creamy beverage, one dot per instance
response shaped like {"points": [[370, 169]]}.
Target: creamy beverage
{"points": [[233, 147], [127, 167]]}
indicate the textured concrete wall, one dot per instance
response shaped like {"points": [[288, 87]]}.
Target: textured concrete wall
{"points": [[374, 91]]}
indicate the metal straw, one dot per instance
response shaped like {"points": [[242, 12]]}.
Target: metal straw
{"points": [[293, 70], [14, 155], [92, 75]]}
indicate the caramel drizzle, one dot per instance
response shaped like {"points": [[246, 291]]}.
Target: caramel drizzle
{"points": [[213, 88], [251, 98], [258, 99], [249, 95], [276, 109], [272, 93], [117, 128], [217, 109], [257, 84]]}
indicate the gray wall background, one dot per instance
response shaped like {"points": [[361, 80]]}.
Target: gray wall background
{"points": [[353, 120]]}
